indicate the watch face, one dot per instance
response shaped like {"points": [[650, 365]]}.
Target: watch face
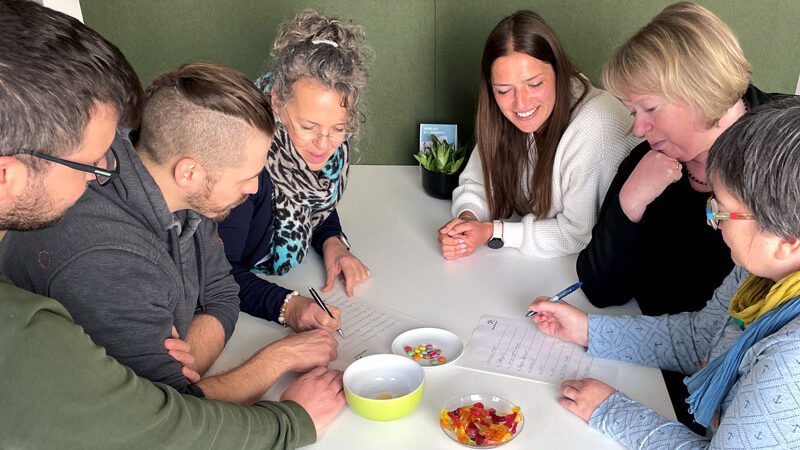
{"points": [[495, 243]]}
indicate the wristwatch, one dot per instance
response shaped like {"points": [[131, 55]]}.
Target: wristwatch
{"points": [[497, 235]]}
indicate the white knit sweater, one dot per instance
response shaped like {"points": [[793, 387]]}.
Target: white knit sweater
{"points": [[586, 160]]}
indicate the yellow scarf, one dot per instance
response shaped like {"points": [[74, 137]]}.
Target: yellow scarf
{"points": [[757, 296]]}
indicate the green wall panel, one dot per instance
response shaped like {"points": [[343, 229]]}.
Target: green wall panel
{"points": [[590, 31], [158, 35], [427, 52]]}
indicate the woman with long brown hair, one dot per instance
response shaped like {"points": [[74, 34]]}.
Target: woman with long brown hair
{"points": [[548, 144]]}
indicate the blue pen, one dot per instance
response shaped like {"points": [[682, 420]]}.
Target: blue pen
{"points": [[560, 295]]}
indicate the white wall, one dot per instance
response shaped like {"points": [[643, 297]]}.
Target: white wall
{"points": [[71, 7]]}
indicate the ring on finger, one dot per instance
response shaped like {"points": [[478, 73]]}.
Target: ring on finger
{"points": [[678, 166]]}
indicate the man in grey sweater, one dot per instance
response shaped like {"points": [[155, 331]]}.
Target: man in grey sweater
{"points": [[64, 91], [138, 262]]}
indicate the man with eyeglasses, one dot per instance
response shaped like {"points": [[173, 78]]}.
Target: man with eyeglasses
{"points": [[64, 90]]}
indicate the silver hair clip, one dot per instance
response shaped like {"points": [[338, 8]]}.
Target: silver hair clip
{"points": [[324, 41]]}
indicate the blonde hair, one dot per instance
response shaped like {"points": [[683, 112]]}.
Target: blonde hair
{"points": [[685, 53]]}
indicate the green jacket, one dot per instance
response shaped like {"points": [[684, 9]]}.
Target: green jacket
{"points": [[60, 390]]}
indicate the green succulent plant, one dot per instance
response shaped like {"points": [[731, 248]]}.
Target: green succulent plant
{"points": [[441, 157]]}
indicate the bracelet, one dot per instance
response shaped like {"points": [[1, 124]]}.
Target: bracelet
{"points": [[344, 240], [282, 314]]}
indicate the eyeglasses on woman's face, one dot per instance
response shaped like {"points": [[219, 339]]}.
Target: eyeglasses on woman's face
{"points": [[310, 133], [713, 215]]}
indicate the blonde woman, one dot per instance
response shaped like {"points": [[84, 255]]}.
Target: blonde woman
{"points": [[685, 80], [741, 352]]}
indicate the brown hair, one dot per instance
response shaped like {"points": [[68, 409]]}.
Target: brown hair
{"points": [[54, 71], [504, 149], [685, 53], [204, 111]]}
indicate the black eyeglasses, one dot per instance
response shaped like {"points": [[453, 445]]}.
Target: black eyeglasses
{"points": [[105, 169]]}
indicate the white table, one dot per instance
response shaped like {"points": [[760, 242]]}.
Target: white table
{"points": [[391, 224]]}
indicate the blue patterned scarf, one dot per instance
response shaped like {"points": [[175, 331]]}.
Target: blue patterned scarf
{"points": [[709, 386], [301, 200]]}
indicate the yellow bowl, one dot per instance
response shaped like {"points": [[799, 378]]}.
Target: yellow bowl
{"points": [[384, 387]]}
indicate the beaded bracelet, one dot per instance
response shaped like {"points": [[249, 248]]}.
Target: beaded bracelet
{"points": [[282, 314]]}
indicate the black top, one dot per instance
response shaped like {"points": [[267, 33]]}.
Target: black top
{"points": [[671, 261]]}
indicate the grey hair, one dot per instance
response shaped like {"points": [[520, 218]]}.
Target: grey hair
{"points": [[341, 67], [757, 160]]}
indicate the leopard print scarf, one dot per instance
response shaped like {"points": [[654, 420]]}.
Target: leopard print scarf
{"points": [[302, 199]]}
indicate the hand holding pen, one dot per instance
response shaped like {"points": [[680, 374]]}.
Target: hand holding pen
{"points": [[324, 307], [559, 319], [559, 296]]}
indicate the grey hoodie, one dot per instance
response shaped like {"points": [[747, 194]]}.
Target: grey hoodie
{"points": [[127, 269]]}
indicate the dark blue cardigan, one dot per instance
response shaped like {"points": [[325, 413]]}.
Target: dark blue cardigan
{"points": [[247, 234]]}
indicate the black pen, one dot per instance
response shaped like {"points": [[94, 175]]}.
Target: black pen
{"points": [[321, 304]]}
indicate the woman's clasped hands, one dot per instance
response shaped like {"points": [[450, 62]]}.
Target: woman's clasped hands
{"points": [[462, 235]]}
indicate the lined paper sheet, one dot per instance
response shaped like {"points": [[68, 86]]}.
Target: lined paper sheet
{"points": [[516, 347], [369, 327]]}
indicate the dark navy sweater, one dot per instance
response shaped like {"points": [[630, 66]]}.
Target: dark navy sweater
{"points": [[247, 235]]}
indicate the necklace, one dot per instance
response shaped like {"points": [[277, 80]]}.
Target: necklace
{"points": [[695, 179]]}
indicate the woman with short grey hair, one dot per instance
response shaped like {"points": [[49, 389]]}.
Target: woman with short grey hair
{"points": [[741, 352], [315, 88]]}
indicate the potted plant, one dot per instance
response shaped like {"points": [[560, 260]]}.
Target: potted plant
{"points": [[440, 164]]}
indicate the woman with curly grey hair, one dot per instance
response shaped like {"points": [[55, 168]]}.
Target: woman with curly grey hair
{"points": [[315, 88]]}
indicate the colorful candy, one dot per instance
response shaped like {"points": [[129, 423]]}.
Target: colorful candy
{"points": [[426, 351], [474, 425]]}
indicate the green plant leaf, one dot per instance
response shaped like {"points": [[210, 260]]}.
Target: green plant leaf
{"points": [[441, 156], [455, 165]]}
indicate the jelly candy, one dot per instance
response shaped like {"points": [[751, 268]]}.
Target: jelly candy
{"points": [[478, 426]]}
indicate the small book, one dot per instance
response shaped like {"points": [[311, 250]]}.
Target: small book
{"points": [[448, 132]]}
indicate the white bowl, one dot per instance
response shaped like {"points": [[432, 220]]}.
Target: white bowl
{"points": [[450, 345]]}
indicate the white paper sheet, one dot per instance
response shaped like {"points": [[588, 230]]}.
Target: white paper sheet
{"points": [[369, 328], [516, 347]]}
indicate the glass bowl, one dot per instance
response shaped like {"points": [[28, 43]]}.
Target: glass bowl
{"points": [[501, 405]]}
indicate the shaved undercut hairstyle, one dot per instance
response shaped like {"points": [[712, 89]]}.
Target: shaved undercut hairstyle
{"points": [[203, 111], [53, 72]]}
